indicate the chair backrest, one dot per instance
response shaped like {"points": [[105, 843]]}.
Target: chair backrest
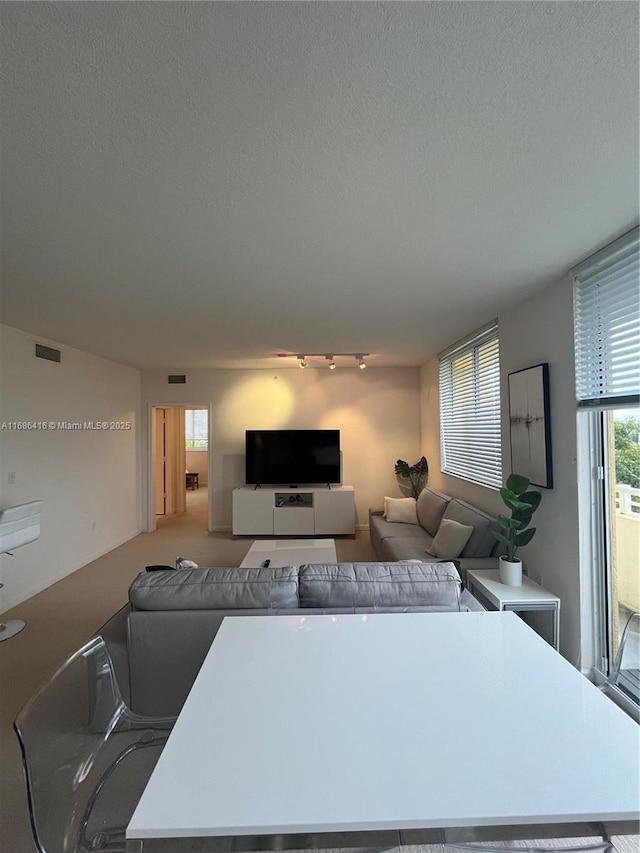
{"points": [[625, 673], [72, 733]]}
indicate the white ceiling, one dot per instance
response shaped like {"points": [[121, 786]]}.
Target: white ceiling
{"points": [[207, 184]]}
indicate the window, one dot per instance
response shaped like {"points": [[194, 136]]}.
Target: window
{"points": [[470, 441], [196, 429], [607, 343]]}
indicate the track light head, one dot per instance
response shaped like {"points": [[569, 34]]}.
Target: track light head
{"points": [[330, 358]]}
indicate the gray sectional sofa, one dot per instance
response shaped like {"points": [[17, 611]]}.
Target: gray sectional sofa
{"points": [[402, 541], [176, 614]]}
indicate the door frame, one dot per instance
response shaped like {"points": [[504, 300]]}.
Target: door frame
{"points": [[150, 521]]}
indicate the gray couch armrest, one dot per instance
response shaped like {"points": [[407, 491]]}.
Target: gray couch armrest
{"points": [[477, 562], [469, 602], [464, 563]]}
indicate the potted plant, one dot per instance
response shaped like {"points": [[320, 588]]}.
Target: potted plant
{"points": [[515, 528], [416, 474]]}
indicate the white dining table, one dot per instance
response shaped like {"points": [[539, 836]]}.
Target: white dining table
{"points": [[355, 724]]}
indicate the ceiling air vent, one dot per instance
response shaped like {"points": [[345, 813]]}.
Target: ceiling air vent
{"points": [[177, 379], [49, 353]]}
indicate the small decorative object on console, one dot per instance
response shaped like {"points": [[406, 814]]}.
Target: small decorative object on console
{"points": [[522, 504]]}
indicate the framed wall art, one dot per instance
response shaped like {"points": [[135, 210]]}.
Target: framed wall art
{"points": [[530, 427]]}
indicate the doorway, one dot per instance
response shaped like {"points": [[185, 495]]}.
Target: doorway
{"points": [[179, 465]]}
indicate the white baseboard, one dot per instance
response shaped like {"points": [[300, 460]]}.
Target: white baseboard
{"points": [[14, 601], [219, 528]]}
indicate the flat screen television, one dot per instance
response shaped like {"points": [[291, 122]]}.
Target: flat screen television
{"points": [[292, 457]]}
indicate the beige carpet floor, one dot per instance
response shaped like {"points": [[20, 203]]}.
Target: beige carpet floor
{"points": [[61, 617]]}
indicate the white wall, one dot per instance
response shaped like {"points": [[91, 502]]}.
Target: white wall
{"points": [[86, 478], [538, 330], [377, 411], [198, 460]]}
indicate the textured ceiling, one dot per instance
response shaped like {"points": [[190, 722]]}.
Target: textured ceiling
{"points": [[208, 184]]}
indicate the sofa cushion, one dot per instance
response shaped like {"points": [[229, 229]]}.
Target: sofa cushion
{"points": [[430, 507], [379, 585], [384, 529], [405, 548], [215, 589], [401, 510], [450, 539], [481, 542]]}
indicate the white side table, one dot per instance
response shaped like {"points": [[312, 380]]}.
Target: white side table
{"points": [[484, 584]]}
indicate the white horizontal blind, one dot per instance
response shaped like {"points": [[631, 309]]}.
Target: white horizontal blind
{"points": [[607, 324], [196, 428], [470, 443]]}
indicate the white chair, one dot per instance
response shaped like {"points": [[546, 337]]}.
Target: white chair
{"points": [[87, 757], [623, 683]]}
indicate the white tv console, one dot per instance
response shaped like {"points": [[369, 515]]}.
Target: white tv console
{"points": [[282, 511]]}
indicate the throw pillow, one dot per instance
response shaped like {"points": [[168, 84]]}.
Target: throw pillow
{"points": [[401, 510], [450, 539]]}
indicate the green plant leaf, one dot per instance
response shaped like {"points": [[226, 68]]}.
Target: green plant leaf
{"points": [[509, 523], [402, 468], [517, 483], [524, 537], [514, 503], [531, 498], [502, 539], [523, 517], [415, 474]]}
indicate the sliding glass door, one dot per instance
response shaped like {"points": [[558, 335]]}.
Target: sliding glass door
{"points": [[623, 518], [607, 352]]}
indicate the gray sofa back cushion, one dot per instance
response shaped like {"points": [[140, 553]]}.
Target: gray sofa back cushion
{"points": [[481, 542], [430, 507], [379, 585], [215, 589]]}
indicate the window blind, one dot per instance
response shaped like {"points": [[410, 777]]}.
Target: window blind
{"points": [[470, 440], [196, 428], [606, 294]]}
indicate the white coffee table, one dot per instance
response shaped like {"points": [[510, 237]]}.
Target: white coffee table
{"points": [[385, 723], [289, 552]]}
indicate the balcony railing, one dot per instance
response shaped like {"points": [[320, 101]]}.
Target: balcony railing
{"points": [[625, 540], [628, 500]]}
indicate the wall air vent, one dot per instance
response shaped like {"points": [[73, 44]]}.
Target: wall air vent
{"points": [[177, 379], [49, 353]]}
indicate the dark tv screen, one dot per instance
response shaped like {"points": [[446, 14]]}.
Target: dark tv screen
{"points": [[292, 457]]}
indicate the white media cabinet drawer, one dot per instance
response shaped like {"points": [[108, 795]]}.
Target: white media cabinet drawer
{"points": [[294, 512], [293, 521]]}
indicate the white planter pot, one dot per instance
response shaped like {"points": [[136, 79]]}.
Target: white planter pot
{"points": [[510, 572]]}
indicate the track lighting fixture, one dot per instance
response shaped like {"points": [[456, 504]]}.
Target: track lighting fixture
{"points": [[329, 358]]}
